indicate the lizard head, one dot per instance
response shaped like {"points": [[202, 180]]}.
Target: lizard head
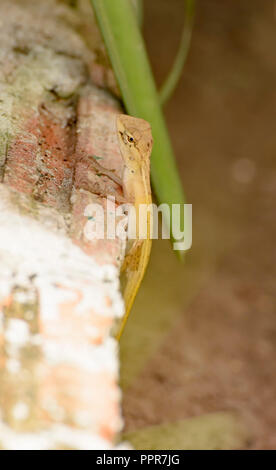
{"points": [[135, 138]]}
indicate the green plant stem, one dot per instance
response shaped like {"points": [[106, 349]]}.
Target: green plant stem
{"points": [[130, 63], [138, 5], [171, 81]]}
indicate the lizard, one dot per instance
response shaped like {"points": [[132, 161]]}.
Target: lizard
{"points": [[135, 143]]}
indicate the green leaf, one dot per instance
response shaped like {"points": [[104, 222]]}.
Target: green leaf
{"points": [[138, 6], [171, 81], [126, 49]]}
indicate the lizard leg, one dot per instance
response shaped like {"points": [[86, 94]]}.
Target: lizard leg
{"points": [[111, 175], [131, 255], [104, 171]]}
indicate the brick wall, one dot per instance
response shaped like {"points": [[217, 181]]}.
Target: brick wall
{"points": [[59, 292]]}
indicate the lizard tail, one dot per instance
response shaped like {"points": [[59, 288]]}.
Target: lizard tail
{"points": [[135, 274]]}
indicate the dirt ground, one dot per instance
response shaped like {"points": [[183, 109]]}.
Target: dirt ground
{"points": [[202, 336]]}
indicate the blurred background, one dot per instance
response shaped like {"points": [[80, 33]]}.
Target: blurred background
{"points": [[201, 337]]}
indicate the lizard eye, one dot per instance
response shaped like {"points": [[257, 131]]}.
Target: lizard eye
{"points": [[126, 137]]}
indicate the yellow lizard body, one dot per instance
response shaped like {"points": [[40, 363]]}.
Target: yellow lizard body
{"points": [[135, 141]]}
